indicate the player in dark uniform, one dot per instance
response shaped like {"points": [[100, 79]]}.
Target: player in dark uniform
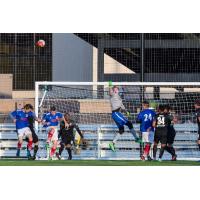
{"points": [[31, 119], [161, 123], [197, 107], [171, 133], [66, 134]]}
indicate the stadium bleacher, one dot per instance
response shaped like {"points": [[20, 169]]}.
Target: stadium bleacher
{"points": [[99, 136]]}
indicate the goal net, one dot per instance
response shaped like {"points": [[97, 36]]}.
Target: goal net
{"points": [[89, 105]]}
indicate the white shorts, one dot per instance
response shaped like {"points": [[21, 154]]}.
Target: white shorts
{"points": [[148, 137], [24, 132], [55, 134]]}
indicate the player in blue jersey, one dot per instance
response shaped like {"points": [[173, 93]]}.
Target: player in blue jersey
{"points": [[19, 117], [145, 118], [51, 121], [31, 119]]}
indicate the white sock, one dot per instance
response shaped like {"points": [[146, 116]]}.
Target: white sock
{"points": [[134, 133], [116, 137]]}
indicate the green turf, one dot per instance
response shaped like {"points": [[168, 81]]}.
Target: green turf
{"points": [[11, 162]]}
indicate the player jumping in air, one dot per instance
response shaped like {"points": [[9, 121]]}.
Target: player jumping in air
{"points": [[145, 118], [31, 119], [22, 126], [118, 117], [171, 133], [67, 127], [161, 123], [51, 121], [197, 107]]}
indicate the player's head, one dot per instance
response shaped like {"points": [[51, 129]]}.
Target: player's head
{"points": [[28, 107], [145, 104], [67, 116], [115, 89], [53, 110], [167, 108], [19, 106], [161, 108], [197, 104]]}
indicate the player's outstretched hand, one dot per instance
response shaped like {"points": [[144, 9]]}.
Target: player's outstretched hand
{"points": [[110, 83], [84, 143], [128, 113]]}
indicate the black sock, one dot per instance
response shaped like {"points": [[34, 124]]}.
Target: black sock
{"points": [[199, 146], [154, 151], [172, 151], [162, 149], [35, 150], [168, 149], [61, 149], [69, 153]]}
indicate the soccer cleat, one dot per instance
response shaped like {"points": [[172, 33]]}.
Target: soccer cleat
{"points": [[69, 158], [138, 140], [58, 156], [149, 158], [18, 153], [33, 158], [159, 160], [174, 158], [142, 158], [112, 146]]}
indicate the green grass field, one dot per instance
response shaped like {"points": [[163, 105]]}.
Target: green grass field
{"points": [[12, 162]]}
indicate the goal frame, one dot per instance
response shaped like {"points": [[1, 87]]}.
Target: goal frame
{"points": [[38, 83]]}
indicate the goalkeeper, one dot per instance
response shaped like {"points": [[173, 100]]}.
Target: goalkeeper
{"points": [[118, 117], [67, 127]]}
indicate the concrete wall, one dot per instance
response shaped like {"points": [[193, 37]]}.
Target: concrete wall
{"points": [[72, 58], [6, 85]]}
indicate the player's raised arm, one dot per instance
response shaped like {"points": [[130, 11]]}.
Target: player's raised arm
{"points": [[78, 130]]}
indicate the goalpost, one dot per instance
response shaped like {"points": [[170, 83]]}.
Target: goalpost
{"points": [[89, 105]]}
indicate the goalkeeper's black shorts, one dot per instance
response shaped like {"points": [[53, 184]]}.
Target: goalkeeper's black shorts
{"points": [[161, 136], [69, 139]]}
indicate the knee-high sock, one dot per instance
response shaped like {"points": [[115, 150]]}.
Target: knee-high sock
{"points": [[146, 149], [172, 151], [162, 149], [53, 150], [116, 137], [69, 152], [61, 149], [168, 149], [29, 145], [19, 145], [154, 151], [35, 150], [134, 133]]}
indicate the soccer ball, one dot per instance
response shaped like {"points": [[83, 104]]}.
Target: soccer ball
{"points": [[40, 43]]}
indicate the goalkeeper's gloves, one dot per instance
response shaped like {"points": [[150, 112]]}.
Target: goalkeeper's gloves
{"points": [[110, 84], [128, 113]]}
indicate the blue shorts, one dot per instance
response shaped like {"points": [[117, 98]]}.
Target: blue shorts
{"points": [[119, 119]]}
